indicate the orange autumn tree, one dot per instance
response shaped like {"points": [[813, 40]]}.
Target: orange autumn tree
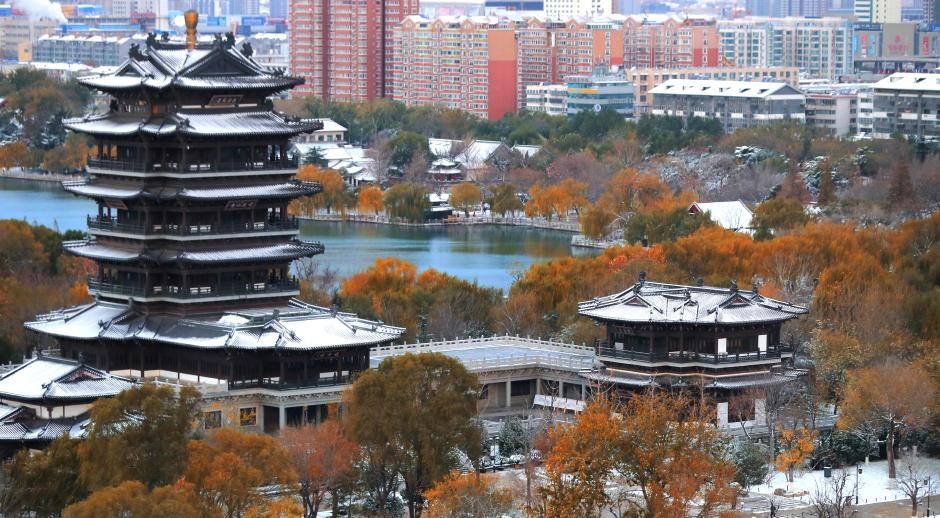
{"points": [[370, 199], [322, 457], [331, 197], [630, 192], [468, 496], [679, 462], [226, 469], [796, 447]]}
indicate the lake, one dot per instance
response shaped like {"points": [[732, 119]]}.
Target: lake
{"points": [[482, 253]]}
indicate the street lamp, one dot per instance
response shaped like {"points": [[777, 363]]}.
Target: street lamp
{"points": [[927, 488], [858, 470]]}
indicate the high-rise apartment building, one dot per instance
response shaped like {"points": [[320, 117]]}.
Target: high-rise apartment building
{"points": [[821, 46], [532, 50], [458, 62], [343, 48], [550, 50], [878, 11], [661, 41]]}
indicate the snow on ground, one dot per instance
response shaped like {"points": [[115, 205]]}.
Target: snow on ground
{"points": [[872, 482]]}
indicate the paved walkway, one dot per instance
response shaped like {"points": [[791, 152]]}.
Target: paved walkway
{"points": [[760, 505]]}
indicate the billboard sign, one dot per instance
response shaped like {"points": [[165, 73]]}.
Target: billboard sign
{"points": [[868, 27], [217, 21], [252, 21], [275, 20], [6, 10]]}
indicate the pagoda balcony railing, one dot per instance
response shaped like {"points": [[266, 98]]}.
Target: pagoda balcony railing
{"points": [[276, 384], [690, 356], [105, 225], [200, 292], [133, 166]]}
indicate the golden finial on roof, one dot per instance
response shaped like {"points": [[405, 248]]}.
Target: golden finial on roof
{"points": [[192, 19]]}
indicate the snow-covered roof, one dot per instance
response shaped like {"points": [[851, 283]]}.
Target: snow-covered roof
{"points": [[331, 126], [732, 215], [100, 189], [526, 151], [442, 147], [26, 428], [196, 123], [719, 88], [58, 381], [476, 154], [166, 65], [297, 327], [909, 82], [646, 302], [93, 249]]}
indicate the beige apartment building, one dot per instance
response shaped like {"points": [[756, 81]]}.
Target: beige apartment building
{"points": [[646, 80], [15, 30]]}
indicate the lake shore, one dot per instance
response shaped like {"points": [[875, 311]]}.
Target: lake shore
{"points": [[38, 177], [561, 226]]}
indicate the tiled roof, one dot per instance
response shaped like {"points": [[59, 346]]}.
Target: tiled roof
{"points": [[93, 249], [44, 430], [302, 327], [201, 123], [48, 380], [671, 303], [104, 189], [161, 68]]}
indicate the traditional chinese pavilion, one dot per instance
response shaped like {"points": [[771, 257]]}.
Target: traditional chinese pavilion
{"points": [[722, 339], [193, 241]]}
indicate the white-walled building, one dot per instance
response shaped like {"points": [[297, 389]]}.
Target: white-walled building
{"points": [[821, 46], [908, 104], [552, 99], [736, 104], [878, 11]]}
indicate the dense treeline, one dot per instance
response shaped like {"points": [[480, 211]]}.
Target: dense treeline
{"points": [[31, 131], [35, 278]]}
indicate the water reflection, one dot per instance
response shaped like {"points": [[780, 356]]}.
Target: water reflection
{"points": [[484, 253]]}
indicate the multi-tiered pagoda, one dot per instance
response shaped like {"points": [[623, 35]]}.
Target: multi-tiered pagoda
{"points": [[193, 241], [721, 340]]}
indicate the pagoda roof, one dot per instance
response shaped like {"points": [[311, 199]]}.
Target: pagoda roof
{"points": [[58, 381], [24, 428], [114, 190], [93, 249], [297, 327], [196, 123], [676, 304], [217, 67]]}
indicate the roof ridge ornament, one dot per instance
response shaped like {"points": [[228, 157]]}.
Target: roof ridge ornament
{"points": [[734, 286], [134, 52], [247, 51]]}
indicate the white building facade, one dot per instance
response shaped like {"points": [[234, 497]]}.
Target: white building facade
{"points": [[551, 99]]}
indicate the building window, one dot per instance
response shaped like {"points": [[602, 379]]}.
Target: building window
{"points": [[213, 419], [485, 392], [519, 388], [248, 416]]}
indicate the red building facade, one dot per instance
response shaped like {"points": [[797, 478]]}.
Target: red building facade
{"points": [[669, 42], [343, 48]]}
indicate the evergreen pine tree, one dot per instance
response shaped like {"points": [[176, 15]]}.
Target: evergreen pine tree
{"points": [[315, 157], [513, 437], [827, 187], [901, 189]]}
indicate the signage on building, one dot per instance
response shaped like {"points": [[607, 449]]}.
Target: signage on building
{"points": [[6, 10], [933, 27], [216, 21], [241, 205], [225, 100], [68, 10], [868, 26], [115, 204], [597, 108], [275, 20], [252, 21], [582, 90]]}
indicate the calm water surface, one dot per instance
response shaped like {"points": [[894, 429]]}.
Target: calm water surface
{"points": [[481, 253]]}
